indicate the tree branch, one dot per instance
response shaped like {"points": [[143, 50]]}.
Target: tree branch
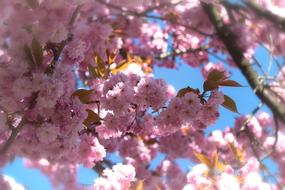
{"points": [[145, 14], [228, 38], [12, 137], [277, 20], [179, 52]]}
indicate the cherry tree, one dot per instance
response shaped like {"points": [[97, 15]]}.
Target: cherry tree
{"points": [[77, 83]]}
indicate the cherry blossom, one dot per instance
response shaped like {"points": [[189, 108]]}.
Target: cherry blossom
{"points": [[77, 85]]}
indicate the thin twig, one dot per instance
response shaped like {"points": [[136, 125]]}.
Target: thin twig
{"points": [[178, 52], [145, 15], [275, 134], [12, 137], [277, 20]]}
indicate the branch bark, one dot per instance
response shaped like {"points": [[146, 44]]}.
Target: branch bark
{"points": [[228, 38], [261, 12], [145, 14], [12, 137], [179, 53]]}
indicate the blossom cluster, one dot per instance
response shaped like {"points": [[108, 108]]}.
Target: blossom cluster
{"points": [[47, 47], [127, 99], [246, 178], [119, 177]]}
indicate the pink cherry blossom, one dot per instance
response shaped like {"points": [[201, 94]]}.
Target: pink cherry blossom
{"points": [[111, 51]]}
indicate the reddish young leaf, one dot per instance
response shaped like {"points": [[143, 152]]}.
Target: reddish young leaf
{"points": [[210, 85], [32, 3], [216, 75], [37, 51], [120, 67], [29, 57], [203, 159], [239, 155], [231, 83], [217, 165], [100, 65], [111, 56], [92, 70], [157, 187], [184, 91], [83, 95], [139, 185], [92, 118], [229, 104]]}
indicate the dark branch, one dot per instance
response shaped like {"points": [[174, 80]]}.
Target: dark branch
{"points": [[228, 38], [145, 14], [14, 133], [179, 52], [277, 20]]}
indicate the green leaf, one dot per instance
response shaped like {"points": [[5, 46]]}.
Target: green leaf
{"points": [[230, 104], [29, 57], [216, 75], [83, 95], [92, 118], [210, 85], [231, 83], [37, 51]]}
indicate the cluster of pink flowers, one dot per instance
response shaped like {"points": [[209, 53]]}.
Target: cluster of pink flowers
{"points": [[119, 177], [246, 178], [127, 99], [52, 117], [47, 46]]}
